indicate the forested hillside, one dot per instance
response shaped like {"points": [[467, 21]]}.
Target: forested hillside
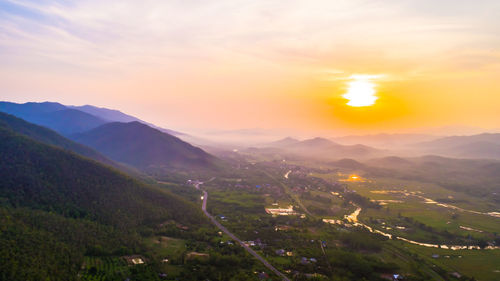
{"points": [[57, 206], [47, 136]]}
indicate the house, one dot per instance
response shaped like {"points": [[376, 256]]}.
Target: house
{"points": [[263, 275], [392, 277], [249, 243], [135, 259]]}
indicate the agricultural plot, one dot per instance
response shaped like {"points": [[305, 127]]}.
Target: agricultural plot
{"points": [[482, 265], [104, 268]]}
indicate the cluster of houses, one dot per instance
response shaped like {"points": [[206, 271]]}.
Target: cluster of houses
{"points": [[256, 243], [195, 183], [305, 260]]}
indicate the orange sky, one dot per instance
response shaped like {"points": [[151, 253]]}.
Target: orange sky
{"points": [[206, 65]]}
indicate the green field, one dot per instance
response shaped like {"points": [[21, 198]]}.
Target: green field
{"points": [[104, 268], [480, 264]]}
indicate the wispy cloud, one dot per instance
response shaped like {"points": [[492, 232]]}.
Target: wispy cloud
{"points": [[242, 55], [107, 33]]}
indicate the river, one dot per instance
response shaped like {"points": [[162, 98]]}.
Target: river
{"points": [[353, 219]]}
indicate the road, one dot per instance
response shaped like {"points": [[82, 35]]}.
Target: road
{"points": [[248, 249]]}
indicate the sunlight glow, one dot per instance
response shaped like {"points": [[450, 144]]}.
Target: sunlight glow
{"points": [[360, 91]]}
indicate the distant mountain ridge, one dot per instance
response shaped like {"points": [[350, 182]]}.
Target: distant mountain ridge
{"points": [[68, 119], [324, 148], [282, 142], [385, 140], [113, 115], [134, 142], [485, 145], [55, 116]]}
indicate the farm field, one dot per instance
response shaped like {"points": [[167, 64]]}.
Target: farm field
{"points": [[482, 265], [104, 268]]}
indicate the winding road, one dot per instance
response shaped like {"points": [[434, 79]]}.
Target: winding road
{"points": [[232, 236]]}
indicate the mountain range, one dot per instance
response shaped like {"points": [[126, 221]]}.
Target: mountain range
{"points": [[107, 133], [55, 116]]}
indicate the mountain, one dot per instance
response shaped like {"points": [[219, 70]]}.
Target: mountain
{"points": [[56, 207], [144, 147], [112, 115], [347, 163], [282, 142], [68, 120], [50, 137], [477, 177], [390, 161], [463, 140], [389, 141], [315, 143], [55, 116], [475, 146], [30, 108], [325, 149]]}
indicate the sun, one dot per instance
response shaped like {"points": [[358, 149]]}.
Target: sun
{"points": [[360, 91]]}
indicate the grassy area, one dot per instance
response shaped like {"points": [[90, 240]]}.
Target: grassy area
{"points": [[166, 247], [482, 265], [438, 217]]}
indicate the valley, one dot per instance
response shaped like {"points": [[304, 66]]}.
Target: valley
{"points": [[237, 140], [243, 215]]}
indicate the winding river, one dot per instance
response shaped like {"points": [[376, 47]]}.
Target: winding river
{"points": [[353, 220]]}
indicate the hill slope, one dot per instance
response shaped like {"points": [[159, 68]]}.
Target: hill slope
{"points": [[48, 136], [56, 206], [144, 147]]}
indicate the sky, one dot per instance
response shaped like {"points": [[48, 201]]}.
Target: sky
{"points": [[270, 65]]}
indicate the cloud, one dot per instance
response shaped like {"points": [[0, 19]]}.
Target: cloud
{"points": [[116, 34]]}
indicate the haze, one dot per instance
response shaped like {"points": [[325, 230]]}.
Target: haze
{"points": [[204, 65]]}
